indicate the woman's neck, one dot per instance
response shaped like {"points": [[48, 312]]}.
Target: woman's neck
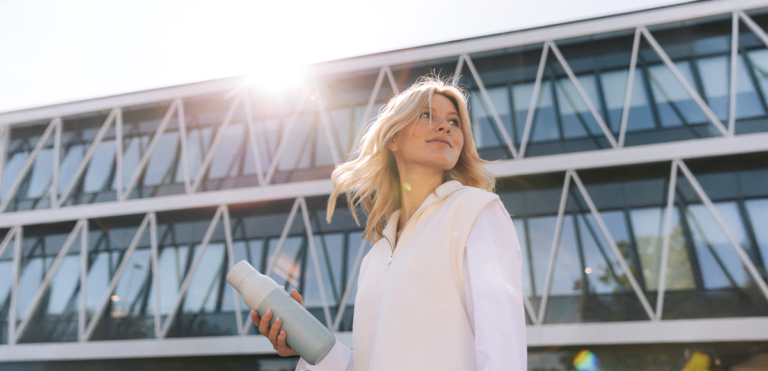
{"points": [[414, 190]]}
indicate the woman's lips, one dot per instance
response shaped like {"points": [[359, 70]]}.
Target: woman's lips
{"points": [[442, 141]]}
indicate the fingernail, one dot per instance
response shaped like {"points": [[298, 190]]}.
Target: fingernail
{"points": [[269, 311], [278, 319]]}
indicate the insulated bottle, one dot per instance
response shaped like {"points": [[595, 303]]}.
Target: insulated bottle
{"points": [[305, 334]]}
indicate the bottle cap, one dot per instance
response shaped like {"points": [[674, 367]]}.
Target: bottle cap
{"points": [[238, 273]]}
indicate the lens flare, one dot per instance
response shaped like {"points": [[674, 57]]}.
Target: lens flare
{"points": [[586, 361]]}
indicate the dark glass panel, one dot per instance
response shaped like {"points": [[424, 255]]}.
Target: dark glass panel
{"points": [[55, 318]]}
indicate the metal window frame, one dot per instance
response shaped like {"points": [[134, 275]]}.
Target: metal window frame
{"points": [[30, 160], [583, 94], [466, 59], [145, 157], [534, 99], [91, 326], [190, 274], [49, 276]]}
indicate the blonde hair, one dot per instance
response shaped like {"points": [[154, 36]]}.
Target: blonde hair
{"points": [[372, 180]]}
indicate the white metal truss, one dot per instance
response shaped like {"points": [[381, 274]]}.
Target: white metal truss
{"points": [[534, 98], [253, 140], [360, 129], [686, 85], [583, 93], [88, 155], [192, 185], [628, 90], [29, 161], [190, 274], [554, 249], [745, 260], [86, 335], [49, 275], [350, 283], [220, 131], [150, 149], [464, 58]]}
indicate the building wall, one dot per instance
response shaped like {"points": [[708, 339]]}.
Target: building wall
{"points": [[627, 147]]}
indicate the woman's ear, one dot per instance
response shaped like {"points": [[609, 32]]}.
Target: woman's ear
{"points": [[391, 145]]}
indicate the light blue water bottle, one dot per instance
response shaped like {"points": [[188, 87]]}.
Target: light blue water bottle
{"points": [[305, 334]]}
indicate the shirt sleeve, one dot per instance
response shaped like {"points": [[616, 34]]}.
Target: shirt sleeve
{"points": [[493, 287], [338, 359]]}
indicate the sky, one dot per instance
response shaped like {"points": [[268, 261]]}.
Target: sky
{"points": [[62, 51]]}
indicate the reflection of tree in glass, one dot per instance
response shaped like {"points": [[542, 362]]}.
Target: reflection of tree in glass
{"points": [[679, 273]]}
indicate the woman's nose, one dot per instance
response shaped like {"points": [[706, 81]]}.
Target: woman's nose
{"points": [[444, 125]]}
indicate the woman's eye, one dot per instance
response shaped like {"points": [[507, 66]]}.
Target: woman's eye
{"points": [[426, 115], [455, 122]]}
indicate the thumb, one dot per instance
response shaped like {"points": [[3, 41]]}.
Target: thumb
{"points": [[295, 294]]}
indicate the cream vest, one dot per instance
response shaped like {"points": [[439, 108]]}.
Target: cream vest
{"points": [[410, 311]]}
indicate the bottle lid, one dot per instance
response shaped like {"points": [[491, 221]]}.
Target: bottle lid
{"points": [[238, 273]]}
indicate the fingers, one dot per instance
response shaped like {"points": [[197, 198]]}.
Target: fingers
{"points": [[274, 332], [282, 347], [295, 294], [264, 323], [255, 317]]}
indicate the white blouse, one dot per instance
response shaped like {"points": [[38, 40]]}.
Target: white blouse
{"points": [[494, 289]]}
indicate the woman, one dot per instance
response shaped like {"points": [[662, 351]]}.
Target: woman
{"points": [[441, 287]]}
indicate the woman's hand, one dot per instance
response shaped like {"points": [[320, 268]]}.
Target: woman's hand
{"points": [[274, 334]]}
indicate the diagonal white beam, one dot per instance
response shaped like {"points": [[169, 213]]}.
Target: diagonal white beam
{"points": [[392, 82], [155, 278], [754, 27], [665, 244], [629, 88], [49, 275], [457, 74], [612, 244], [150, 149], [350, 283], [315, 262], [28, 163], [733, 67], [53, 189], [284, 140], [7, 240], [15, 272], [580, 89], [4, 130], [220, 131], [534, 99], [361, 130], [530, 309], [751, 269], [283, 236], [119, 153], [183, 143], [328, 129], [231, 263], [491, 107], [253, 140], [553, 251], [115, 279], [688, 88], [87, 158], [81, 314], [191, 273]]}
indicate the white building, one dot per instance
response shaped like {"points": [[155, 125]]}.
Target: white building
{"points": [[629, 146]]}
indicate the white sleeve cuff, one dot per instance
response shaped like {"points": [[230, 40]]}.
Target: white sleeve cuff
{"points": [[338, 359]]}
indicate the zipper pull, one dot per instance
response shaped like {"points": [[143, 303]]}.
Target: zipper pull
{"points": [[390, 260]]}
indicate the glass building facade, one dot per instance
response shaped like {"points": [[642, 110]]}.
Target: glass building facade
{"points": [[632, 155]]}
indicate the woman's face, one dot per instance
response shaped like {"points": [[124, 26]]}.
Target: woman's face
{"points": [[438, 147]]}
